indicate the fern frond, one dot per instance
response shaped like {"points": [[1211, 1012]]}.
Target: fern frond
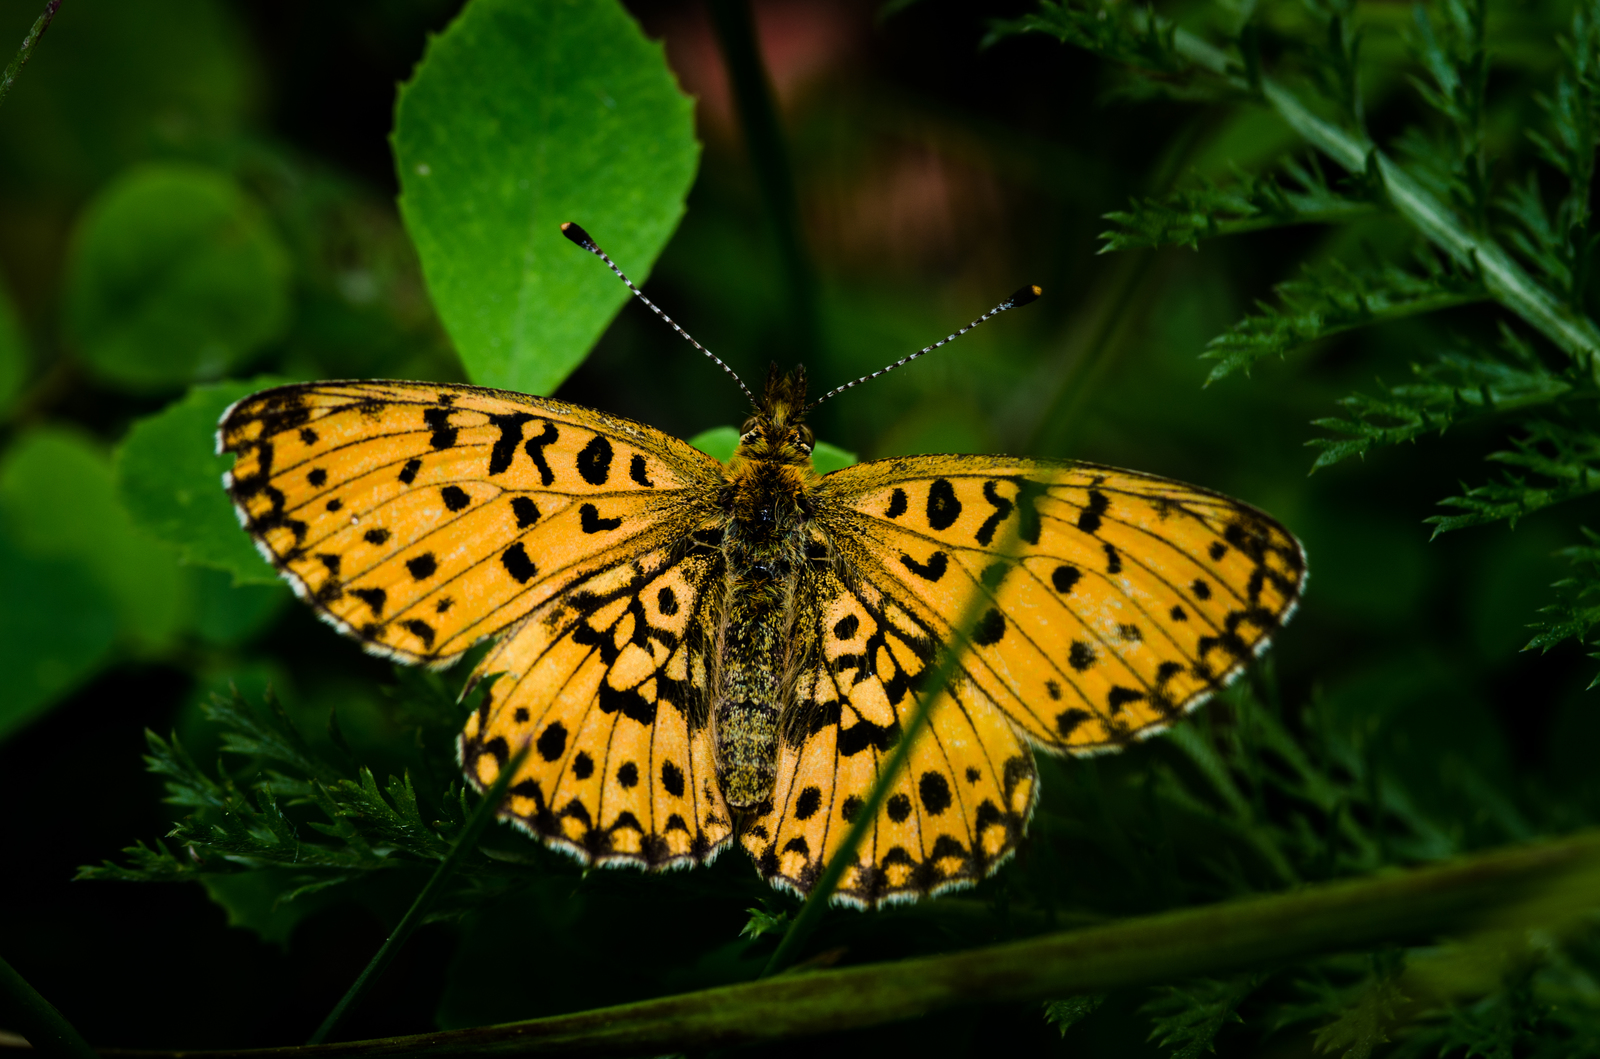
{"points": [[1335, 299], [1456, 386], [1188, 1019], [1564, 463], [1254, 203]]}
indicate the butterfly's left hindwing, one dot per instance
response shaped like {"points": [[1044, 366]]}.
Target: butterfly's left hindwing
{"points": [[955, 812]]}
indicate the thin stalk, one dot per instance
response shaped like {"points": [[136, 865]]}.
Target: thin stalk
{"points": [[1574, 333], [466, 842], [24, 1011], [40, 24], [867, 816], [1547, 884], [769, 156]]}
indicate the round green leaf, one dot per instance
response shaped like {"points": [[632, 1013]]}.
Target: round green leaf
{"points": [[169, 478], [58, 503], [57, 626], [174, 276], [522, 116]]}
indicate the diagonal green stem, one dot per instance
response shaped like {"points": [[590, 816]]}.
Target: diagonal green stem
{"points": [[40, 24], [1510, 285], [769, 156], [867, 816], [466, 842], [23, 1010], [1542, 885]]}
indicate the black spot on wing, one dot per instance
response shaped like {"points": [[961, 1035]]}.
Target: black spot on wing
{"points": [[943, 507], [317, 476], [1113, 560], [806, 806], [582, 765], [594, 460], [637, 471], [1064, 578], [1067, 721], [991, 628], [1002, 510], [899, 807], [526, 511], [672, 779], [1089, 517], [408, 473], [518, 565], [335, 504], [455, 498], [667, 601], [1200, 589], [505, 447], [845, 628], [374, 598], [423, 566], [589, 519], [1119, 697], [438, 420], [1080, 656], [934, 790], [535, 447], [552, 741], [897, 504], [850, 809], [308, 436], [628, 775], [422, 631], [378, 536], [932, 570]]}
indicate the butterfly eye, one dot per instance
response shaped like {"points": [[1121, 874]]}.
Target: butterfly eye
{"points": [[805, 439]]}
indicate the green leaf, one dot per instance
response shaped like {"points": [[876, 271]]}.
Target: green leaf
{"points": [[169, 477], [828, 458], [14, 357], [1064, 1013], [57, 626], [520, 117], [58, 498], [174, 276], [718, 442]]}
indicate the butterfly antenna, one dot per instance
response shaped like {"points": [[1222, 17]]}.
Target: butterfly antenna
{"points": [[1022, 297], [581, 237]]}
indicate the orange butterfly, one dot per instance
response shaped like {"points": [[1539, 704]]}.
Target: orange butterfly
{"points": [[699, 651]]}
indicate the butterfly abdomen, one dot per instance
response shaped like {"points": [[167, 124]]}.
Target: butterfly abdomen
{"points": [[764, 549]]}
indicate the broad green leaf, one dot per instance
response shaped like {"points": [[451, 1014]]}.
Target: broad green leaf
{"points": [[174, 276], [828, 458], [59, 503], [718, 442], [169, 477], [13, 352], [57, 626], [522, 116]]}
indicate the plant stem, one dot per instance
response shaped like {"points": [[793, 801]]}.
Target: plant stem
{"points": [[758, 116], [466, 842], [40, 24], [1537, 885], [1573, 333], [23, 1010]]}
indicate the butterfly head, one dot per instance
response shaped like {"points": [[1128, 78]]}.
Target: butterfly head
{"points": [[776, 431]]}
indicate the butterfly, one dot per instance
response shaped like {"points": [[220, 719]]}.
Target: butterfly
{"points": [[698, 653]]}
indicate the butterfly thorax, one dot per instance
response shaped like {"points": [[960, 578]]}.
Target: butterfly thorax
{"points": [[764, 549]]}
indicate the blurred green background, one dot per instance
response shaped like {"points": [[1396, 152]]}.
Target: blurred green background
{"points": [[198, 198]]}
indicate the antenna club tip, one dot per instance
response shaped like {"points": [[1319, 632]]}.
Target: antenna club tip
{"points": [[578, 235], [1024, 296]]}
